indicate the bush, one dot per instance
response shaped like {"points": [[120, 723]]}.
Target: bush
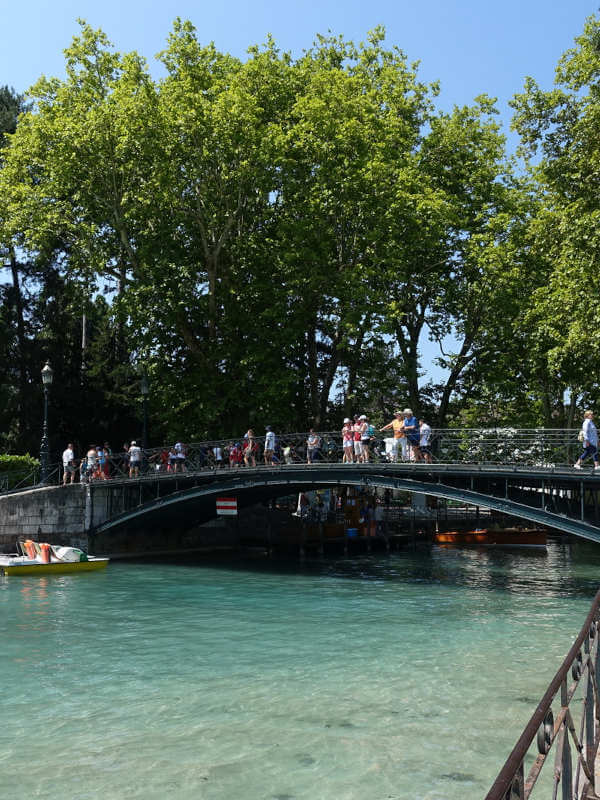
{"points": [[15, 469]]}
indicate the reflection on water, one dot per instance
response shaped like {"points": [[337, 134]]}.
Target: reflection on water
{"points": [[402, 676]]}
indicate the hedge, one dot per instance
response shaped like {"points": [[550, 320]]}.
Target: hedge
{"points": [[14, 469]]}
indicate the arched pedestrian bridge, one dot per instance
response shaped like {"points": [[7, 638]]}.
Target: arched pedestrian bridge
{"points": [[563, 499], [525, 474]]}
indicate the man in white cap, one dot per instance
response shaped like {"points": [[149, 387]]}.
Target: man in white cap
{"points": [[365, 438], [347, 441], [357, 429], [135, 459]]}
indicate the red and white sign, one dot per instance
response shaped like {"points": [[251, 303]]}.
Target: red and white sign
{"points": [[226, 506]]}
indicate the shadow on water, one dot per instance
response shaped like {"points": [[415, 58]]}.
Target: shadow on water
{"points": [[568, 567]]}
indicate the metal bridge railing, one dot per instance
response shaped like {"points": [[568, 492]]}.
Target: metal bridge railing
{"points": [[527, 447], [541, 447], [557, 719]]}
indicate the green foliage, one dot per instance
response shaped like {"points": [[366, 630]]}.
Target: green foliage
{"points": [[272, 238], [10, 463], [558, 129], [15, 469]]}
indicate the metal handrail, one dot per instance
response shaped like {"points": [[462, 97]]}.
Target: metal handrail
{"points": [[542, 447], [511, 783]]}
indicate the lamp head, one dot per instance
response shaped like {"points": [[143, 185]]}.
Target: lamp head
{"points": [[47, 374]]}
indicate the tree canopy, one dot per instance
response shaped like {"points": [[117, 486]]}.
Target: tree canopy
{"points": [[272, 239]]}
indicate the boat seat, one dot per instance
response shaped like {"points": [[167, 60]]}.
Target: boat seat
{"points": [[56, 556]]}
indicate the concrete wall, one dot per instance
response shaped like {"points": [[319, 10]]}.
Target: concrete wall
{"points": [[65, 515], [56, 513]]}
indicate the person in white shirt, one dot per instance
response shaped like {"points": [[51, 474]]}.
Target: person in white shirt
{"points": [[425, 441], [589, 437], [68, 459], [179, 457], [269, 446], [135, 459]]}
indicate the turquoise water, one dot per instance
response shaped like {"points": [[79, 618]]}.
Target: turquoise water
{"points": [[402, 676]]}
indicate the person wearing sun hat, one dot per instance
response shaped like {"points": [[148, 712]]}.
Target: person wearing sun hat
{"points": [[411, 429], [397, 425], [348, 441], [357, 430]]}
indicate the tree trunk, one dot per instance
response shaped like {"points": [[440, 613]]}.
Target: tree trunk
{"points": [[18, 298], [313, 375], [462, 360], [410, 356], [211, 267]]}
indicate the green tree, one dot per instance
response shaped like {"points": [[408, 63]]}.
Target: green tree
{"points": [[558, 130]]}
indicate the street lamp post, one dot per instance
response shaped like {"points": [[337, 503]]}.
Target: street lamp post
{"points": [[145, 390], [47, 375]]}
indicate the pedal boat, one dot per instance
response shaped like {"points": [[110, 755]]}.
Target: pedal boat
{"points": [[47, 561]]}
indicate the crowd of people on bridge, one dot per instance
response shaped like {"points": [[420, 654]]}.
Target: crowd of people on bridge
{"points": [[410, 441]]}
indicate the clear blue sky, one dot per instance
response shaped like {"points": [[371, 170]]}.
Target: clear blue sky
{"points": [[470, 46]]}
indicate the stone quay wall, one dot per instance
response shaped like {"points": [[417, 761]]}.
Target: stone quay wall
{"points": [[68, 516], [56, 514]]}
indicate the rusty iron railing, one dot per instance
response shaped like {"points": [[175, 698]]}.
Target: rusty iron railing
{"points": [[555, 720]]}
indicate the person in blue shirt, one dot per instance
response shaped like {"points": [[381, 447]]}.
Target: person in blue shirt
{"points": [[589, 435], [411, 430]]}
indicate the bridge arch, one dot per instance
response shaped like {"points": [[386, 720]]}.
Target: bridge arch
{"points": [[262, 484]]}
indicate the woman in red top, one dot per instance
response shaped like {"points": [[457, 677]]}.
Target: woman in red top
{"points": [[357, 428], [347, 441], [235, 455]]}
